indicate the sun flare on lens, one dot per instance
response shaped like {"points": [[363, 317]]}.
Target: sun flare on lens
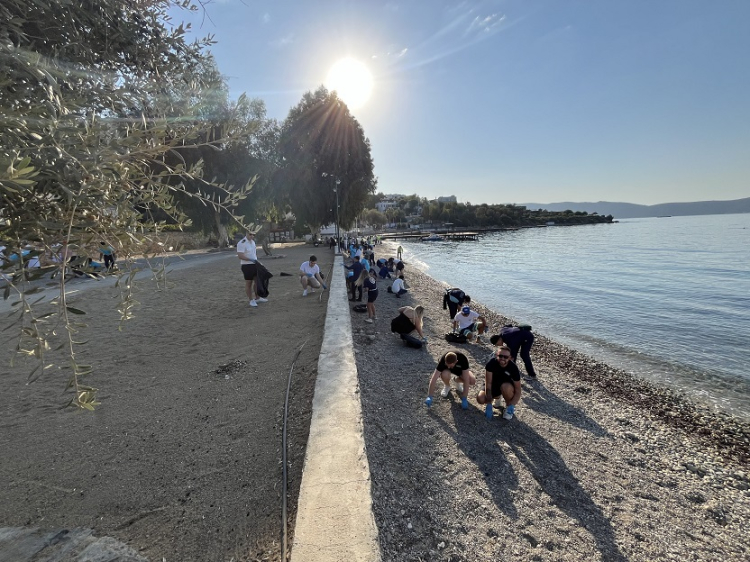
{"points": [[352, 82]]}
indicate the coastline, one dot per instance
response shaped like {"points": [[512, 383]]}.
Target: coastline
{"points": [[597, 464]]}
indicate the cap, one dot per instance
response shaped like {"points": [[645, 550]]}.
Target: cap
{"points": [[466, 310]]}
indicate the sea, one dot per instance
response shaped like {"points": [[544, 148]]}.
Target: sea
{"points": [[666, 299]]}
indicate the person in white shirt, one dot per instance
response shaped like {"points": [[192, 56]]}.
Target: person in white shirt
{"points": [[309, 276], [469, 323], [398, 288], [248, 258]]}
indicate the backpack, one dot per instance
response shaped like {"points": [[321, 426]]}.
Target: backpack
{"points": [[455, 338]]}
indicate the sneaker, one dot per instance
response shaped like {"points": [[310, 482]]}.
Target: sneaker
{"points": [[497, 403], [460, 387], [509, 411], [446, 391], [252, 303], [369, 320], [261, 299], [304, 293]]}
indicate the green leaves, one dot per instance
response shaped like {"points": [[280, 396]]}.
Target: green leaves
{"points": [[99, 102]]}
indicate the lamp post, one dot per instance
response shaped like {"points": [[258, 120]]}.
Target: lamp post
{"points": [[336, 191], [337, 182]]}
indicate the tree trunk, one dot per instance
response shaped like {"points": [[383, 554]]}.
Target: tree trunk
{"points": [[222, 236]]}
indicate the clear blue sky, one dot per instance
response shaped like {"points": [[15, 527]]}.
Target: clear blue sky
{"points": [[643, 101]]}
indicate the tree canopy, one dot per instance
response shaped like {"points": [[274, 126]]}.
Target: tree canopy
{"points": [[323, 148]]}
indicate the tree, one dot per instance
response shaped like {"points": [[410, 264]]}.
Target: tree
{"points": [[374, 217], [86, 142], [321, 144]]}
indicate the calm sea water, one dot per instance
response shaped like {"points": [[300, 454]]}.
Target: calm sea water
{"points": [[667, 299]]}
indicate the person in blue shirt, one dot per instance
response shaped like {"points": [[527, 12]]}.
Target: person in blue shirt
{"points": [[356, 268], [107, 253]]}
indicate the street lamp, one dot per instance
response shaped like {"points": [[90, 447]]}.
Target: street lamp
{"points": [[336, 191], [337, 182]]}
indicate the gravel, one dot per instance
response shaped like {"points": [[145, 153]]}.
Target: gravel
{"points": [[597, 465]]}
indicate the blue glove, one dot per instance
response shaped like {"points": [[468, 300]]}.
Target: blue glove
{"points": [[464, 403], [511, 409], [488, 411], [428, 401]]}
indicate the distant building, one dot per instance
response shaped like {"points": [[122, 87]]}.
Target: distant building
{"points": [[448, 199], [386, 204]]}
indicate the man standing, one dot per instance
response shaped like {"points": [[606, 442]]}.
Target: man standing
{"points": [[454, 299], [309, 276], [501, 378], [356, 268], [248, 260], [517, 338], [469, 323], [452, 364], [399, 252]]}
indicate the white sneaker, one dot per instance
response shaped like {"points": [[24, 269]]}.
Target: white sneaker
{"points": [[369, 320], [261, 299], [446, 391], [304, 293], [460, 387], [507, 415], [497, 403], [253, 303]]}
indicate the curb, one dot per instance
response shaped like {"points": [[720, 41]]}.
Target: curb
{"points": [[334, 513]]}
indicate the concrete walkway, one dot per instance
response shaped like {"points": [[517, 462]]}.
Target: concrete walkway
{"points": [[334, 515]]}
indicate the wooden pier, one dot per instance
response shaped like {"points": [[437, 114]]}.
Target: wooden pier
{"points": [[445, 235]]}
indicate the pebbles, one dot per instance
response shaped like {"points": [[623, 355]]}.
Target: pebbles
{"points": [[637, 471]]}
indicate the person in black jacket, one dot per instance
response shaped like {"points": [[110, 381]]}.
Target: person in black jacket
{"points": [[453, 299], [517, 338]]}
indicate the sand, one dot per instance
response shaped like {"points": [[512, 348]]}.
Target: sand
{"points": [[182, 459]]}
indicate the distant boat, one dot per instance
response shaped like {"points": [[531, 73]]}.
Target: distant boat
{"points": [[663, 216], [432, 238]]}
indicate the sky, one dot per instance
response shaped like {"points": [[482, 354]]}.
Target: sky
{"points": [[512, 101]]}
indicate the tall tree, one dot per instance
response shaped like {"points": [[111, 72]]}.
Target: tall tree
{"points": [[323, 148]]}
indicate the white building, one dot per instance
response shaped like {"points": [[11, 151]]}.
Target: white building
{"points": [[386, 204], [448, 199]]}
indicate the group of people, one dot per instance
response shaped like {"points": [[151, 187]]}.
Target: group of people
{"points": [[502, 385], [76, 262], [502, 381]]}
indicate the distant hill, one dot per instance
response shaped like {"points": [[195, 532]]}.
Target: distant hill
{"points": [[631, 210]]}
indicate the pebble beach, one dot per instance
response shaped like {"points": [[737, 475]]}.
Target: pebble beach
{"points": [[596, 465]]}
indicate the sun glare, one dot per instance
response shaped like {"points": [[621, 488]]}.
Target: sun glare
{"points": [[352, 82]]}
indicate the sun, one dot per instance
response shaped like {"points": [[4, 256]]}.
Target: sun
{"points": [[352, 82]]}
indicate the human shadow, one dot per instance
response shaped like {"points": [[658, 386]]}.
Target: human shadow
{"points": [[552, 474], [539, 398], [478, 441]]}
